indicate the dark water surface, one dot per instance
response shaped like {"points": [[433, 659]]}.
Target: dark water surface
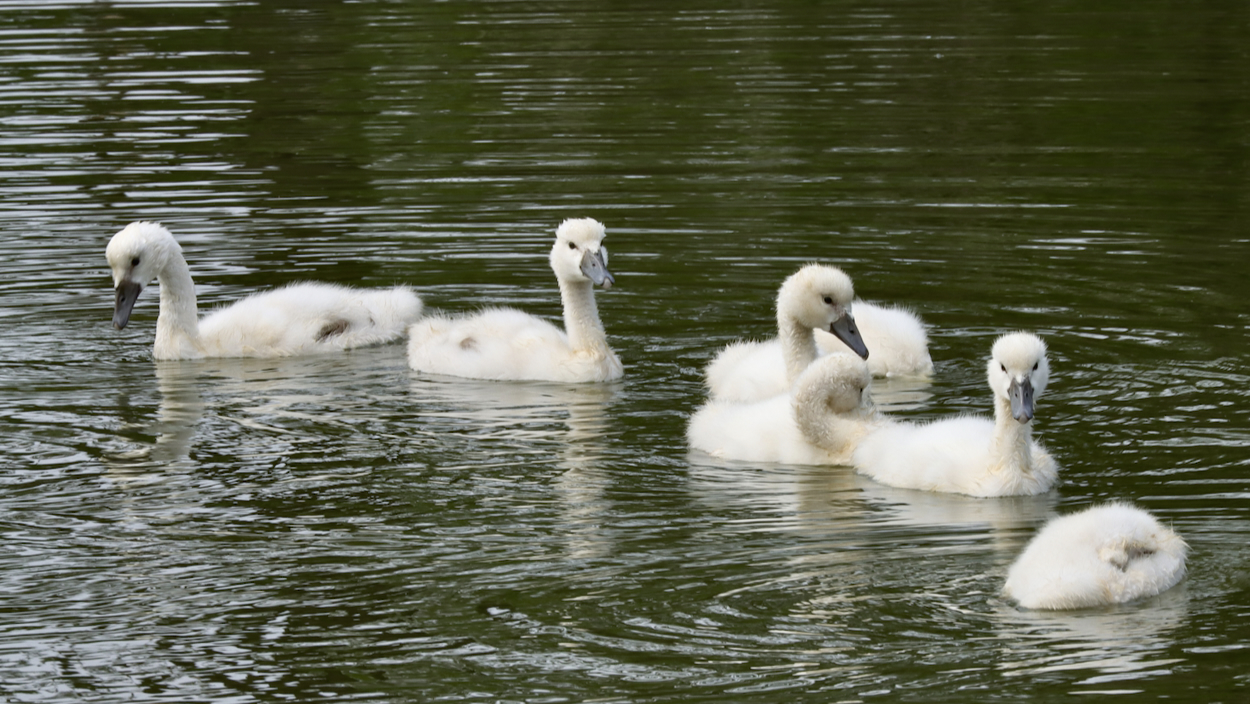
{"points": [[341, 528]]}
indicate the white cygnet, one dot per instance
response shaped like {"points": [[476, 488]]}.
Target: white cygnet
{"points": [[818, 424], [297, 319], [1103, 555], [970, 454], [816, 297], [507, 344]]}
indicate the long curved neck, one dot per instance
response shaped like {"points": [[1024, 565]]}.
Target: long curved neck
{"points": [[798, 345], [822, 427], [581, 316], [1012, 440], [177, 326]]}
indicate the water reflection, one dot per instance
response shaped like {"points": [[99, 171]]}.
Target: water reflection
{"points": [[898, 394], [159, 447], [569, 421], [1007, 520], [180, 409], [1128, 644]]}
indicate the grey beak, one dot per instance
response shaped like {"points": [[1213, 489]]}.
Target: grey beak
{"points": [[595, 269], [844, 329], [1021, 395], [127, 294]]}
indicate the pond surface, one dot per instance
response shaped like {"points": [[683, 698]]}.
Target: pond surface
{"points": [[340, 528]]}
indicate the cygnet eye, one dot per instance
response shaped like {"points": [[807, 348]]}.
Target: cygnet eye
{"points": [[1004, 366], [134, 262], [829, 300], [1035, 365], [572, 246]]}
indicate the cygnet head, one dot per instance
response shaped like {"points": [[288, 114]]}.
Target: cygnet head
{"points": [[1018, 371], [137, 254], [839, 382], [579, 254], [819, 296]]}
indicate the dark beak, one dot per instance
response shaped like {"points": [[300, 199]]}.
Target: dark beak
{"points": [[127, 294], [1021, 395], [844, 329], [595, 270]]}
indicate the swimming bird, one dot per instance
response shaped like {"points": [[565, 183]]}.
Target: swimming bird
{"points": [[1103, 555], [296, 319], [970, 454], [507, 344], [818, 423], [816, 297]]}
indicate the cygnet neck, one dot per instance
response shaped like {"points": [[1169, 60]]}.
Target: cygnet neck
{"points": [[581, 316], [1012, 439], [798, 345], [838, 433], [177, 325]]}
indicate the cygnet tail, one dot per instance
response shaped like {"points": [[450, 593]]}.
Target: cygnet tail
{"points": [[388, 313]]}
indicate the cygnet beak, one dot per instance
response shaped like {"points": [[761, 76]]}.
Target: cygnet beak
{"points": [[844, 329], [1021, 394], [596, 270], [127, 294]]}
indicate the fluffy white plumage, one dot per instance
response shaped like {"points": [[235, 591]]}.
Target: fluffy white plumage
{"points": [[507, 344], [896, 336], [819, 423], [296, 319], [896, 339], [1103, 555], [968, 454], [814, 299]]}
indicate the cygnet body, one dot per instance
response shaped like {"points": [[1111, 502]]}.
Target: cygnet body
{"points": [[818, 424], [304, 318], [507, 344], [970, 454], [1103, 555], [816, 297]]}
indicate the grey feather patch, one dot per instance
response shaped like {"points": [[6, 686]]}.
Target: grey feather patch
{"points": [[332, 328]]}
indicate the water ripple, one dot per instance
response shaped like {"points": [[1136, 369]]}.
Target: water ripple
{"points": [[340, 527]]}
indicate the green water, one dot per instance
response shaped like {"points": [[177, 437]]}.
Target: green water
{"points": [[341, 528]]}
